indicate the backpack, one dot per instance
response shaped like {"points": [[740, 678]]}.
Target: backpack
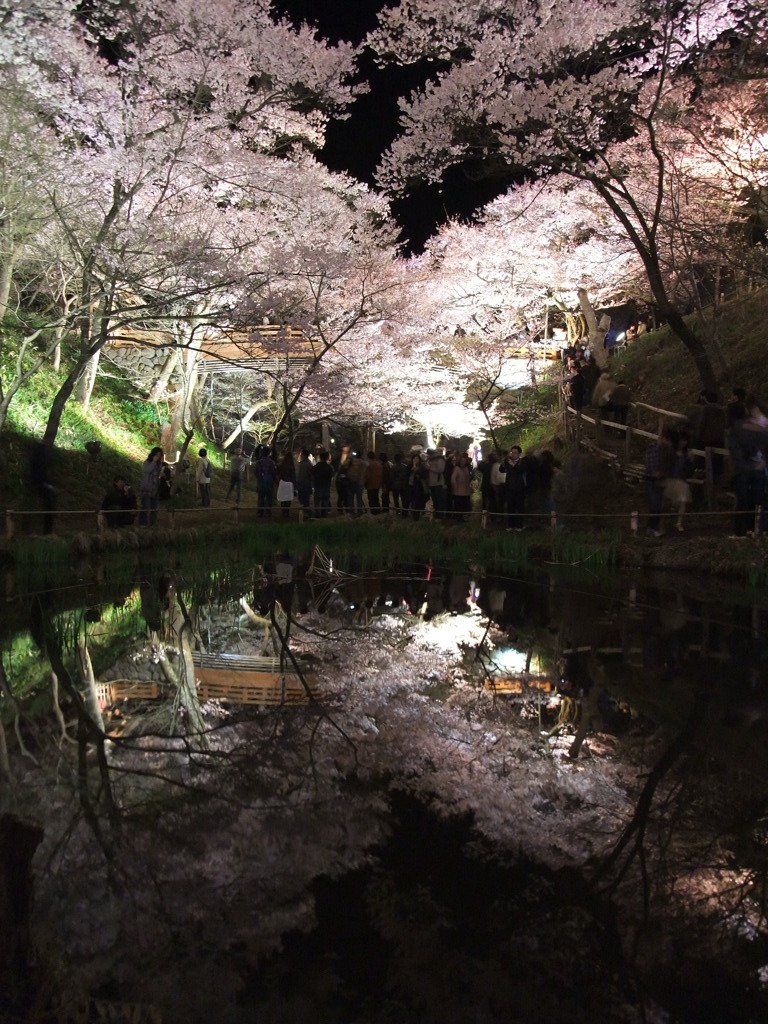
{"points": [[208, 471]]}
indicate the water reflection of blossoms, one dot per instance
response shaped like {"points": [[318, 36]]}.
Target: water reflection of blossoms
{"points": [[571, 730]]}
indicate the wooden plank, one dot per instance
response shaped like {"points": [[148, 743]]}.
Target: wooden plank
{"points": [[122, 689]]}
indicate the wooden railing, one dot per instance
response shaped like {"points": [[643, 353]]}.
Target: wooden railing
{"points": [[574, 421]]}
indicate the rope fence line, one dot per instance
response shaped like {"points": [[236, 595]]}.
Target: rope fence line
{"points": [[553, 519]]}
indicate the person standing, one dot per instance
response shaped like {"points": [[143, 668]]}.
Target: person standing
{"points": [[498, 481], [203, 477], [341, 475], [515, 487], [417, 485], [658, 459], [436, 464], [304, 480], [39, 477], [322, 474], [265, 471], [677, 490], [386, 481], [576, 389], [286, 482], [355, 476], [149, 487], [748, 445], [461, 479], [236, 471], [372, 479]]}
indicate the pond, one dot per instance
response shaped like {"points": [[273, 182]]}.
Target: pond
{"points": [[301, 791]]}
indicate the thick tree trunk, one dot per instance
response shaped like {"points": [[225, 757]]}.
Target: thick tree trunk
{"points": [[595, 335], [695, 347], [243, 423], [18, 841], [6, 277], [87, 381], [56, 355], [165, 375], [61, 398]]}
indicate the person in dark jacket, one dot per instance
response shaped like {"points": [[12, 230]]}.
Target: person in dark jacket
{"points": [[265, 472], [748, 446], [119, 504], [322, 474], [577, 389], [515, 487], [372, 479]]}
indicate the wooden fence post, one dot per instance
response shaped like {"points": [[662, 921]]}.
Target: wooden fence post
{"points": [[758, 520], [634, 522], [628, 444], [10, 524], [709, 480], [100, 523]]}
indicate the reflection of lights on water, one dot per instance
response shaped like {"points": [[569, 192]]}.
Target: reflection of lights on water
{"points": [[449, 631], [507, 659]]}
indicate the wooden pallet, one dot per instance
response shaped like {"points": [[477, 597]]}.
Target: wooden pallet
{"points": [[124, 689], [517, 685], [243, 679]]}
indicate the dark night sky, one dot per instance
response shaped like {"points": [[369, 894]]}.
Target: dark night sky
{"points": [[356, 145]]}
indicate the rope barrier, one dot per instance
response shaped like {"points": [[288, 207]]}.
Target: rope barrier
{"points": [[552, 519]]}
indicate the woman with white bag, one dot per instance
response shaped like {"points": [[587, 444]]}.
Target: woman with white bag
{"points": [[286, 476]]}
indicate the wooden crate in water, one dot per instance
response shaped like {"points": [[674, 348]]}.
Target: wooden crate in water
{"points": [[108, 693], [242, 679]]}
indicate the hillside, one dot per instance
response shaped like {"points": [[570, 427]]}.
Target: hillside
{"points": [[660, 372]]}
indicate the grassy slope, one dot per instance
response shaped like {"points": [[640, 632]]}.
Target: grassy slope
{"points": [[661, 373], [126, 425]]}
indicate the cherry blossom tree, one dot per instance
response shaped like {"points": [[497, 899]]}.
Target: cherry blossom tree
{"points": [[549, 87], [148, 102]]}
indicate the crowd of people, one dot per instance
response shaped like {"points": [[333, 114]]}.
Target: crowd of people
{"points": [[511, 486], [741, 427], [515, 490]]}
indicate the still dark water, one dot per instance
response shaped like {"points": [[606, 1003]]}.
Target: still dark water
{"points": [[536, 797]]}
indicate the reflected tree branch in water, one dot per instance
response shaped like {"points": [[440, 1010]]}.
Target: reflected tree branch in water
{"points": [[633, 836], [88, 735], [285, 651], [258, 620], [89, 681], [58, 712], [5, 689], [181, 624]]}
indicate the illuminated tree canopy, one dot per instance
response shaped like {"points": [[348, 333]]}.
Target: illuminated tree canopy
{"points": [[161, 172]]}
